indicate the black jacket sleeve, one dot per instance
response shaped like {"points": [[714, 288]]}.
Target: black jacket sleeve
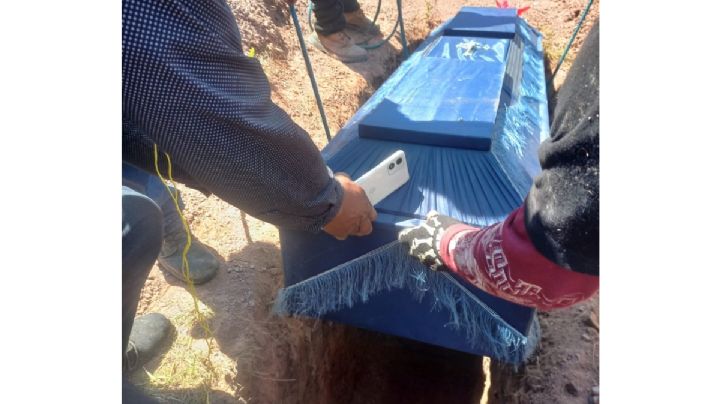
{"points": [[563, 206]]}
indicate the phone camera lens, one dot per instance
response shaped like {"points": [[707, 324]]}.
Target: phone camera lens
{"points": [[398, 161], [392, 165]]}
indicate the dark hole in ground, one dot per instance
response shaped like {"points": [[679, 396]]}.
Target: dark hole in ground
{"points": [[337, 364]]}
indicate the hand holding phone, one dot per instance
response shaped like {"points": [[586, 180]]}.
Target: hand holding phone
{"points": [[356, 213]]}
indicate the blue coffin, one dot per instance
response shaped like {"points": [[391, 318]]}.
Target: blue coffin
{"points": [[469, 111]]}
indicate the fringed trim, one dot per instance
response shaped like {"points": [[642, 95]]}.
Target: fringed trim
{"points": [[524, 121], [390, 267]]}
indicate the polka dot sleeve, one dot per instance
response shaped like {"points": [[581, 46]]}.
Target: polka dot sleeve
{"points": [[188, 87]]}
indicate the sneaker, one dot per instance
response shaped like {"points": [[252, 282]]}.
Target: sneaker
{"points": [[148, 333], [357, 21], [340, 46], [202, 263]]}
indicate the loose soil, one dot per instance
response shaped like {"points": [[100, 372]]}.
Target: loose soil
{"points": [[258, 357]]}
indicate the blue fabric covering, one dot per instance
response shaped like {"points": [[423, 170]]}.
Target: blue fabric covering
{"points": [[370, 282], [484, 22], [460, 109], [451, 97]]}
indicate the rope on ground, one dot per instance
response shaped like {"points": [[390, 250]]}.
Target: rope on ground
{"points": [[309, 68], [572, 38], [185, 264]]}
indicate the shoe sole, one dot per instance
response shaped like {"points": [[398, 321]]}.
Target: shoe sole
{"points": [[317, 44]]}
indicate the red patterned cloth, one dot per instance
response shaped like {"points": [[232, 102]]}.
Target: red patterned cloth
{"points": [[501, 260]]}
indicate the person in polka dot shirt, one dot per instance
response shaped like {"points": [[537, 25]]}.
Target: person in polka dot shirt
{"points": [[189, 90]]}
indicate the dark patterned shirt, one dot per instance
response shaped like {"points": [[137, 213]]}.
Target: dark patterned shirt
{"points": [[189, 88]]}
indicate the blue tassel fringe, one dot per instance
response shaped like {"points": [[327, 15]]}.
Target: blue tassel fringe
{"points": [[390, 267]]}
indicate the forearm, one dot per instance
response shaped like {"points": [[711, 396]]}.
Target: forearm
{"points": [[193, 92], [546, 253], [501, 260], [283, 182]]}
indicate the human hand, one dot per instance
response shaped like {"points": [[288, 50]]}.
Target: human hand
{"points": [[356, 214], [424, 240]]}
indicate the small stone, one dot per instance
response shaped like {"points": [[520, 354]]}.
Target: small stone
{"points": [[592, 321], [596, 390], [586, 337], [571, 389]]}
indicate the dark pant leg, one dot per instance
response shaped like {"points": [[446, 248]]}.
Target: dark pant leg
{"points": [[350, 5], [153, 187], [132, 395], [329, 16], [141, 241]]}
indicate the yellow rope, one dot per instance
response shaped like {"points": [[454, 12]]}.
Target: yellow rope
{"points": [[185, 264]]}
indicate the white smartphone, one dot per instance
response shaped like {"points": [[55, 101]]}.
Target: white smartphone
{"points": [[385, 178]]}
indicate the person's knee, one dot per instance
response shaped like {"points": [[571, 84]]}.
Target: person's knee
{"points": [[149, 185], [134, 177]]}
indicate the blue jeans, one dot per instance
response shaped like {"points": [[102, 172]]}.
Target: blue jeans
{"points": [[152, 187]]}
